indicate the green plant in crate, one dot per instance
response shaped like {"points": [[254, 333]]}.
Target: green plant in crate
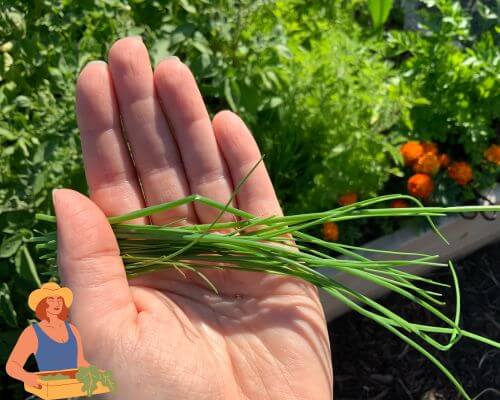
{"points": [[91, 375]]}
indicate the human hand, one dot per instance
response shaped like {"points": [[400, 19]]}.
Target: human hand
{"points": [[162, 335], [32, 379]]}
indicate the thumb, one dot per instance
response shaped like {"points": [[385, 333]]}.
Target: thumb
{"points": [[89, 261]]}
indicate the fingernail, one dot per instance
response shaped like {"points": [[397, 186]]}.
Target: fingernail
{"points": [[136, 37], [54, 195], [97, 62], [166, 58]]}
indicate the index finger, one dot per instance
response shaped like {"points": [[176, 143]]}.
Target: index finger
{"points": [[111, 176]]}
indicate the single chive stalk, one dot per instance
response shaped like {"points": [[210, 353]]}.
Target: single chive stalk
{"points": [[281, 246]]}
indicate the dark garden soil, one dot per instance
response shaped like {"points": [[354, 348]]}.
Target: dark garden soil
{"points": [[372, 363]]}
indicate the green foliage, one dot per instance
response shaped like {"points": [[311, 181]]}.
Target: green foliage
{"points": [[234, 48], [342, 102]]}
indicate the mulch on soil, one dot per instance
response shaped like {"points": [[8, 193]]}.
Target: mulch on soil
{"points": [[373, 363]]}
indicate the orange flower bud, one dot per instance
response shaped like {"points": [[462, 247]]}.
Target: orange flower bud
{"points": [[411, 152], [399, 203], [444, 160], [427, 164], [420, 185], [430, 147], [460, 172], [348, 198], [331, 231], [492, 154]]}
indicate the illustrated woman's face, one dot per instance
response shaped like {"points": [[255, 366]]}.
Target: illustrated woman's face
{"points": [[54, 305]]}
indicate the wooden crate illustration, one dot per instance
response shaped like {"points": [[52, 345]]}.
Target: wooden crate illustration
{"points": [[62, 388]]}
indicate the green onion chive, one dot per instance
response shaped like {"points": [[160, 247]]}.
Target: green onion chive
{"points": [[147, 248]]}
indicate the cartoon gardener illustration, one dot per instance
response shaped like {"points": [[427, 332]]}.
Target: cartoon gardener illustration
{"points": [[54, 341]]}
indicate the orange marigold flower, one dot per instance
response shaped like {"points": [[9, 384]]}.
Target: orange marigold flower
{"points": [[492, 154], [430, 147], [444, 160], [411, 152], [399, 203], [331, 231], [427, 164], [348, 198], [460, 172], [420, 185]]}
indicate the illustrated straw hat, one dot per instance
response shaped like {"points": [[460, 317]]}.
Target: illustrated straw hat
{"points": [[48, 290]]}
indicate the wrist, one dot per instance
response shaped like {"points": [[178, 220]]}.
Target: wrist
{"points": [[26, 375], [16, 371]]}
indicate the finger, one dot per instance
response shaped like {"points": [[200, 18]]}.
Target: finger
{"points": [[185, 109], [157, 159], [241, 153], [89, 262], [110, 173]]}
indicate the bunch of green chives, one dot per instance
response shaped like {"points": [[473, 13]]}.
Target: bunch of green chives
{"points": [[268, 248]]}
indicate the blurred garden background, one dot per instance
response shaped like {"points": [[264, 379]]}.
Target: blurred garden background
{"points": [[346, 99]]}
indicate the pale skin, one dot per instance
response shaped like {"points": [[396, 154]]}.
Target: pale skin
{"points": [[27, 343], [162, 335]]}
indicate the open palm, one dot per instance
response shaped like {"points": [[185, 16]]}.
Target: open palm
{"points": [[146, 139]]}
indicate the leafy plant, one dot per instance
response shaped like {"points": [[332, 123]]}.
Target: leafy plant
{"points": [[91, 375], [343, 101], [107, 379]]}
